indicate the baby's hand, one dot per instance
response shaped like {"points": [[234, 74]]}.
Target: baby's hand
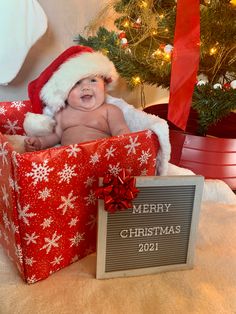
{"points": [[32, 144]]}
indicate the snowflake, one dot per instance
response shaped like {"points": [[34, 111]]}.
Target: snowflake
{"points": [[14, 158], [91, 198], [49, 243], [144, 157], [40, 172], [149, 134], [31, 238], [32, 279], [3, 153], [14, 228], [67, 173], [3, 110], [94, 158], [132, 146], [44, 194], [6, 221], [76, 239], [73, 222], [46, 222], [5, 236], [14, 184], [11, 127], [5, 196], [29, 261], [109, 152], [92, 221], [67, 202], [18, 252], [75, 258], [18, 105], [144, 172], [22, 213], [89, 181], [73, 150], [57, 260], [115, 170]]}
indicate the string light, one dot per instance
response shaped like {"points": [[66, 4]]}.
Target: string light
{"points": [[136, 80], [126, 24], [213, 51], [143, 4]]}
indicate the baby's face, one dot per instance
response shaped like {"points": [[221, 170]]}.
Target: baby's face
{"points": [[87, 94]]}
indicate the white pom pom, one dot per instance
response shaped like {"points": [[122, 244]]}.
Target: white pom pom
{"points": [[233, 84], [168, 48], [38, 124], [217, 85]]}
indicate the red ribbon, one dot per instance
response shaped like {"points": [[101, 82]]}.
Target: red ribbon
{"points": [[185, 61], [117, 192]]}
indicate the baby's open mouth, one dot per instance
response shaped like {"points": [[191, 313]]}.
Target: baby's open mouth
{"points": [[86, 97]]}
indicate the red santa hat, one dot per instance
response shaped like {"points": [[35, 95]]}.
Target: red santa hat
{"points": [[49, 91]]}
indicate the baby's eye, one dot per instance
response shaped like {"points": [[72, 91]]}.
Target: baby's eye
{"points": [[78, 83], [93, 80]]}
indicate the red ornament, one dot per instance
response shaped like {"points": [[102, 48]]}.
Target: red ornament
{"points": [[122, 35], [227, 86], [117, 192]]}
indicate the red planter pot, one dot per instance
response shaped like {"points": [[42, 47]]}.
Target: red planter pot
{"points": [[213, 156]]}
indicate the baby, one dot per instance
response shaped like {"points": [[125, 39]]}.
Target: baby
{"points": [[85, 117]]}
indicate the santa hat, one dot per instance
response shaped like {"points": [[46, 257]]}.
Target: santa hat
{"points": [[49, 91]]}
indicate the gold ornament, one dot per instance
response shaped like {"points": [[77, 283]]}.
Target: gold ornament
{"points": [[233, 2]]}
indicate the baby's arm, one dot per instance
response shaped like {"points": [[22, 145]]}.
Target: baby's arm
{"points": [[116, 121], [35, 143]]}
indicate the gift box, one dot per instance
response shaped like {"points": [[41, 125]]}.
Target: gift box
{"points": [[48, 206]]}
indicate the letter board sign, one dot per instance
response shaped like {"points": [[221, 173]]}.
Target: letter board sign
{"points": [[157, 234]]}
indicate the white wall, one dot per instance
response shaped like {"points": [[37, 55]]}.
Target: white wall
{"points": [[66, 18]]}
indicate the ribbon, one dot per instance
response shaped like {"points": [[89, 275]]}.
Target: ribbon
{"points": [[185, 61], [117, 192]]}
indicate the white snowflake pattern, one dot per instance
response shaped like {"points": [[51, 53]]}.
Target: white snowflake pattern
{"points": [[3, 153], [46, 222], [94, 159], [109, 152], [149, 134], [76, 239], [32, 279], [18, 253], [5, 195], [144, 172], [49, 243], [67, 173], [91, 198], [73, 150], [39, 172], [44, 194], [5, 236], [14, 158], [3, 110], [114, 169], [132, 146], [6, 221], [67, 202], [24, 215], [75, 258], [89, 181], [31, 238], [17, 104], [57, 260], [144, 157], [14, 184], [29, 261], [14, 228], [92, 221], [11, 127], [73, 222]]}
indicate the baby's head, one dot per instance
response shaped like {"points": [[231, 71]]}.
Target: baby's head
{"points": [[88, 93], [56, 83]]}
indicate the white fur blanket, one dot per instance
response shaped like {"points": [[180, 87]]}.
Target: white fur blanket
{"points": [[209, 288]]}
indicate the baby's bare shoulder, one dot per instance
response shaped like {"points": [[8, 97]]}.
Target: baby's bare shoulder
{"points": [[112, 108]]}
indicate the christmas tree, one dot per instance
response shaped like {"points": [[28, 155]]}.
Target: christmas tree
{"points": [[142, 46]]}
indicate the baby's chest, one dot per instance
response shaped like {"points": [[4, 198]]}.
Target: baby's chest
{"points": [[91, 119]]}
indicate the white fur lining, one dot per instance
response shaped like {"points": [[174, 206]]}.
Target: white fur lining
{"points": [[56, 90]]}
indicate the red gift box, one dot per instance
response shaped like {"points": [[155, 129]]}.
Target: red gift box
{"points": [[48, 205]]}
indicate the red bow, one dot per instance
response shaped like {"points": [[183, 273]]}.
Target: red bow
{"points": [[117, 192]]}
